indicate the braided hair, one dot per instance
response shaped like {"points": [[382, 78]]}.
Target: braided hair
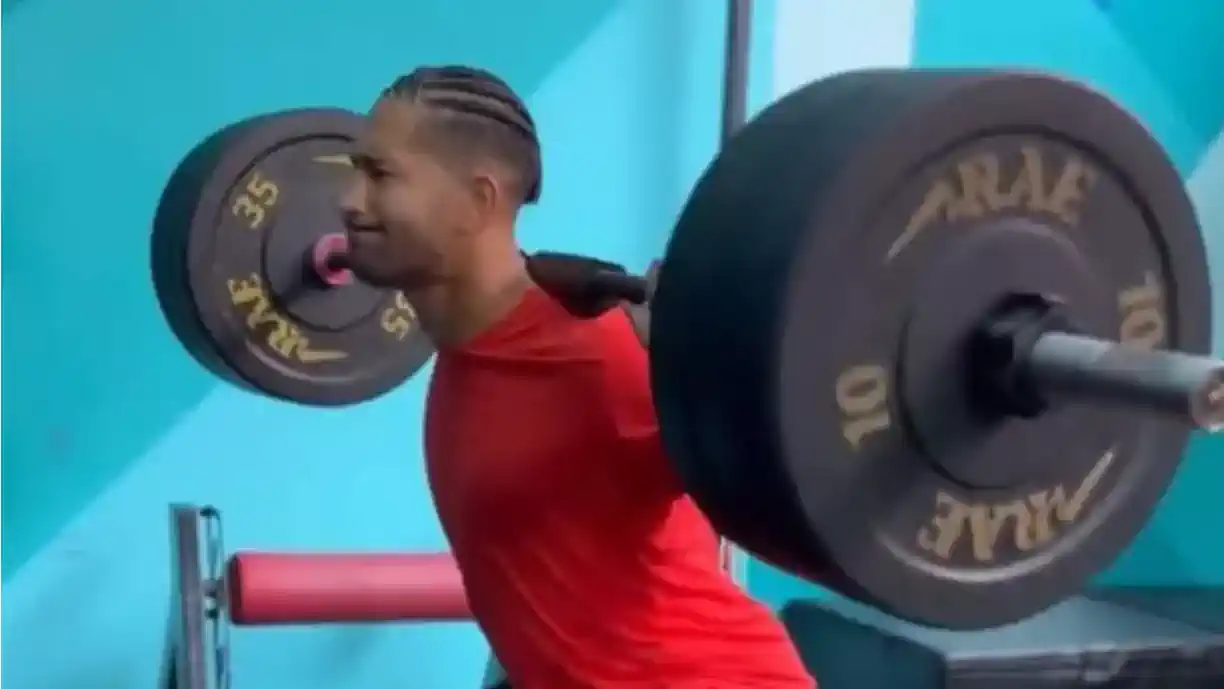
{"points": [[482, 116]]}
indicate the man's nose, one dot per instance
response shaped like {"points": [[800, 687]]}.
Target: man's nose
{"points": [[353, 204], [352, 198]]}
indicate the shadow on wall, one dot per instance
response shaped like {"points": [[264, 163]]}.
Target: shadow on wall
{"points": [[102, 100], [1158, 60], [1179, 41]]}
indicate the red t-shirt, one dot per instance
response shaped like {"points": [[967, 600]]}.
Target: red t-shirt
{"points": [[583, 561]]}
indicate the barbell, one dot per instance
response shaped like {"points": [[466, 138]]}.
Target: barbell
{"points": [[935, 339]]}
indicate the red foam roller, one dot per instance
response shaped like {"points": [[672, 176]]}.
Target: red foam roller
{"points": [[312, 588]]}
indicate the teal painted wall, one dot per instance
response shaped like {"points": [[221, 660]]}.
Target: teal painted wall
{"points": [[103, 98], [109, 420], [1160, 60]]}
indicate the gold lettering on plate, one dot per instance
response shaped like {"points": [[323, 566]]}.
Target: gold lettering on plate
{"points": [[281, 336], [1032, 521], [978, 187]]}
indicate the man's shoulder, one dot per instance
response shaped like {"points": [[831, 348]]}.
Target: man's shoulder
{"points": [[616, 334], [609, 336]]}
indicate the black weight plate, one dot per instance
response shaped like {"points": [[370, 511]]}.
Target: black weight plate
{"points": [[758, 509], [169, 247], [830, 283], [231, 235]]}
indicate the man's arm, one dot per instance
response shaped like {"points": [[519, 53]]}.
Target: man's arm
{"points": [[639, 314], [625, 394]]}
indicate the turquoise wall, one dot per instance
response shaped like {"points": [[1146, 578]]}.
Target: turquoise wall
{"points": [[1162, 61], [112, 421], [109, 420]]}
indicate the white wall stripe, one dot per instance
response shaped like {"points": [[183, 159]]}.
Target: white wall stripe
{"points": [[816, 38]]}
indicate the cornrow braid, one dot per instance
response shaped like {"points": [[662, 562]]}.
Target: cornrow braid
{"points": [[486, 113]]}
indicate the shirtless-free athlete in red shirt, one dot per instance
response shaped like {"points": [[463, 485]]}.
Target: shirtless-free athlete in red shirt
{"points": [[583, 561]]}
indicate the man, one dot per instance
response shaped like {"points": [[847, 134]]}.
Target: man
{"points": [[583, 561]]}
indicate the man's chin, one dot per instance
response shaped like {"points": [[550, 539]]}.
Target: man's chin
{"points": [[374, 277], [383, 278]]}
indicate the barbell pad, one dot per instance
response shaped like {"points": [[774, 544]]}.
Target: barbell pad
{"points": [[586, 287], [315, 588]]}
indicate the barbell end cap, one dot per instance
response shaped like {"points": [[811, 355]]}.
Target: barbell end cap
{"points": [[1207, 403]]}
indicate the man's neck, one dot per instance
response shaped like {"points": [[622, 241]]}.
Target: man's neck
{"points": [[454, 313]]}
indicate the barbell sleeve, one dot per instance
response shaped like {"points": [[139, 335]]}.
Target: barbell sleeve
{"points": [[1184, 386]]}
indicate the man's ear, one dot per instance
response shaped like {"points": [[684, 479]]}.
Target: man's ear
{"points": [[486, 192]]}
